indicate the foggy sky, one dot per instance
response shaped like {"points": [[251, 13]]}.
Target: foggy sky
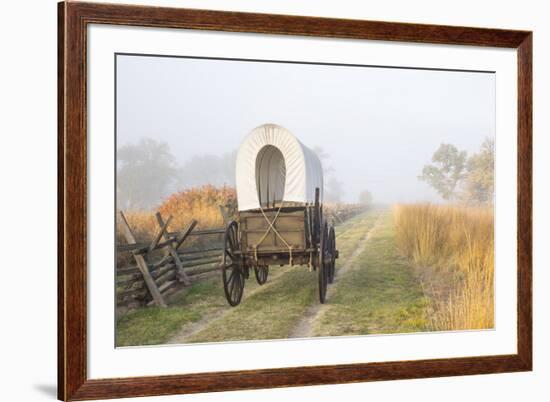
{"points": [[380, 126]]}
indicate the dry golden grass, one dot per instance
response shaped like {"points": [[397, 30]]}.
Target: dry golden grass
{"points": [[202, 203], [455, 243]]}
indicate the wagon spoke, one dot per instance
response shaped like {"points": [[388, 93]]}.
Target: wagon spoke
{"points": [[231, 284], [236, 286], [232, 274], [234, 282], [230, 254]]}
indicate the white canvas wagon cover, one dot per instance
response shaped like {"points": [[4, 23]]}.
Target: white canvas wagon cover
{"points": [[274, 166]]}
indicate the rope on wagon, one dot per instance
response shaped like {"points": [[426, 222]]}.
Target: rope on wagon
{"points": [[272, 228]]}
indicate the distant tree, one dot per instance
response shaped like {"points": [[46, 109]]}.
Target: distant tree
{"points": [[448, 168], [208, 169], [333, 190], [144, 173], [479, 182], [324, 157], [365, 197]]}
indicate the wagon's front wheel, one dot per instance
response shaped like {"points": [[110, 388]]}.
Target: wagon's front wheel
{"points": [[233, 270], [323, 267], [261, 272]]}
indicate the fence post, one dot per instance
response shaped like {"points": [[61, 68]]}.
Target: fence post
{"points": [[185, 234], [161, 233], [142, 265], [182, 276]]}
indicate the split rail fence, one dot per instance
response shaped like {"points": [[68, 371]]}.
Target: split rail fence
{"points": [[164, 262]]}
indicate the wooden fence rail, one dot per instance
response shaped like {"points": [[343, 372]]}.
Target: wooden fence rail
{"points": [[343, 213]]}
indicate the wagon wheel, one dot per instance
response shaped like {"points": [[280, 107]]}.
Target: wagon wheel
{"points": [[233, 269], [323, 267], [261, 272], [332, 252]]}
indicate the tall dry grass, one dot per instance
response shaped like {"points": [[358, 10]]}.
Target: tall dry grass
{"points": [[453, 250], [201, 203]]}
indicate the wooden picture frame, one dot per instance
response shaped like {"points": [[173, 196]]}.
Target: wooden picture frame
{"points": [[74, 17]]}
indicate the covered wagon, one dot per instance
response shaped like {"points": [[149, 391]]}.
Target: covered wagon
{"points": [[280, 212]]}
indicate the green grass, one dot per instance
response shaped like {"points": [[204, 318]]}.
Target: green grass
{"points": [[152, 325], [156, 325], [379, 294]]}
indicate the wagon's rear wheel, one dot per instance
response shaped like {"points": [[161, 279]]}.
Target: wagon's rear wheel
{"points": [[323, 268], [332, 252], [233, 270], [261, 272]]}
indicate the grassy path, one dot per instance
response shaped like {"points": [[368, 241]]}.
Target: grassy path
{"points": [[379, 294], [303, 328], [375, 292]]}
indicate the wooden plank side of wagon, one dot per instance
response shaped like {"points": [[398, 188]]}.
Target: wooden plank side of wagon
{"points": [[291, 225]]}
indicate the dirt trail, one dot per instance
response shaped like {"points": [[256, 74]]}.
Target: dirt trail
{"points": [[188, 330], [304, 327]]}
